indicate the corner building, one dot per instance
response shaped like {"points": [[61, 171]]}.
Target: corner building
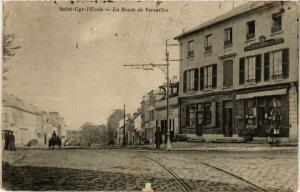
{"points": [[239, 71]]}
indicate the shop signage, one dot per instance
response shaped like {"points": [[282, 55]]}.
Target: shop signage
{"points": [[264, 43]]}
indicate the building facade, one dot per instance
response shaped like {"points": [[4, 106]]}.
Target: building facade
{"points": [[23, 119], [161, 111], [148, 117], [239, 72]]}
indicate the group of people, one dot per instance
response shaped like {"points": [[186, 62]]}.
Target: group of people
{"points": [[9, 141]]}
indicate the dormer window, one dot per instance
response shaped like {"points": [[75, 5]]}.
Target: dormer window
{"points": [[191, 48]]}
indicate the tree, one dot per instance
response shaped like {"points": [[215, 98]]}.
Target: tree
{"points": [[9, 49]]}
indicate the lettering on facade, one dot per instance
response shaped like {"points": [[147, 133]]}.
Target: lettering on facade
{"points": [[264, 43]]}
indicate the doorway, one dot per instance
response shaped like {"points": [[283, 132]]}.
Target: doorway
{"points": [[199, 124], [227, 119]]}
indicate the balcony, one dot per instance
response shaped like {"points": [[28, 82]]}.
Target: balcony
{"points": [[276, 28], [191, 53], [208, 49], [250, 36], [227, 43]]}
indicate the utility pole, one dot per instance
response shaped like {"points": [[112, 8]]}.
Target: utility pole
{"points": [[169, 146], [124, 133], [168, 143]]}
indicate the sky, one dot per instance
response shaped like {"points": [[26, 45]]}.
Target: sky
{"points": [[72, 62]]}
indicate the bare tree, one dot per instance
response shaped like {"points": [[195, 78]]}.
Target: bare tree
{"points": [[9, 49]]}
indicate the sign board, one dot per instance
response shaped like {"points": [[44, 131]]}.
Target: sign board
{"points": [[263, 43]]}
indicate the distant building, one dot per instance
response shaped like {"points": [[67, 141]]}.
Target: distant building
{"points": [[160, 108], [23, 119], [239, 71]]}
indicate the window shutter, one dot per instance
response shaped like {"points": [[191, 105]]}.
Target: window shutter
{"points": [[201, 78], [266, 66], [228, 73], [196, 80], [184, 81], [258, 68], [285, 63], [214, 76], [242, 71], [213, 114]]}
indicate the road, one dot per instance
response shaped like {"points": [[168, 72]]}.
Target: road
{"points": [[129, 170]]}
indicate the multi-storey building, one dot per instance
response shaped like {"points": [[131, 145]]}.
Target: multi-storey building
{"points": [[240, 71]]}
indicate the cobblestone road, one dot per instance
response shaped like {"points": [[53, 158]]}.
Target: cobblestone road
{"points": [[129, 170]]}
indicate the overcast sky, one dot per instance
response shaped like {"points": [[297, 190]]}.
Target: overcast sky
{"points": [[72, 62]]}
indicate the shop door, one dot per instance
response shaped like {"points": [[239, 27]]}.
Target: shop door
{"points": [[199, 124], [227, 119]]}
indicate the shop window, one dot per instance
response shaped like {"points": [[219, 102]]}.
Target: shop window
{"points": [[250, 30], [208, 43], [191, 48], [228, 73], [250, 114], [191, 116], [276, 22], [207, 114], [228, 37]]}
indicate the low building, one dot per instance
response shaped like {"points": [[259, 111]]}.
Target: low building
{"points": [[23, 119]]}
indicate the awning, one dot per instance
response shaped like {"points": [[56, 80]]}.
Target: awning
{"points": [[261, 94]]}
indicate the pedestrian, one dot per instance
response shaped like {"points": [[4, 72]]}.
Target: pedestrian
{"points": [[11, 144], [6, 138], [158, 138]]}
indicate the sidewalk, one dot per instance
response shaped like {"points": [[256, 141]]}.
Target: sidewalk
{"points": [[237, 147], [12, 157]]}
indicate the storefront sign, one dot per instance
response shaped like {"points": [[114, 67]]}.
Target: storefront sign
{"points": [[264, 43]]}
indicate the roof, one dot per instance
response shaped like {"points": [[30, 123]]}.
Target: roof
{"points": [[245, 8], [11, 101]]}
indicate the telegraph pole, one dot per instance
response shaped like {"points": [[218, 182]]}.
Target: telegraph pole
{"points": [[169, 146], [124, 133]]}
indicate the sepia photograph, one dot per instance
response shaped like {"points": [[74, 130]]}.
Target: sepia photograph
{"points": [[150, 96]]}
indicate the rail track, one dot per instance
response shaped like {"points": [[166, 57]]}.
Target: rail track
{"points": [[185, 186]]}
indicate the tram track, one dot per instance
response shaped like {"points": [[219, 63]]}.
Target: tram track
{"points": [[185, 186], [182, 184]]}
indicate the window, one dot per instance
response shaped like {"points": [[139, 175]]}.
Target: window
{"points": [[228, 37], [191, 116], [208, 77], [228, 73], [279, 61], [208, 43], [276, 22], [250, 30], [152, 115], [190, 80], [4, 117], [191, 48], [207, 114], [250, 69]]}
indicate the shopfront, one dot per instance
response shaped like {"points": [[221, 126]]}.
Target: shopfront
{"points": [[264, 112]]}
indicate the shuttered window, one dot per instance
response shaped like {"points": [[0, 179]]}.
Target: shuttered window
{"points": [[201, 78], [285, 63], [266, 66], [228, 73], [258, 68], [242, 71]]}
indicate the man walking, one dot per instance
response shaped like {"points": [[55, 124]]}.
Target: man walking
{"points": [[158, 138], [6, 138]]}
